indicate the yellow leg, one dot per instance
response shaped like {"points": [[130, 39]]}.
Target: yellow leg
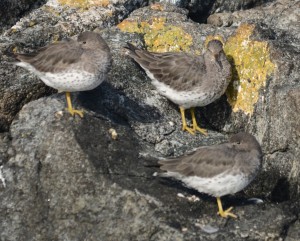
{"points": [[184, 125], [70, 108], [225, 213], [195, 125]]}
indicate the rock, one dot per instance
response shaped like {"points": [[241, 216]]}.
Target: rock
{"points": [[70, 180], [280, 15], [293, 233], [12, 10], [199, 10], [4, 147]]}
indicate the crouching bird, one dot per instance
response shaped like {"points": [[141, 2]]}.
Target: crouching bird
{"points": [[218, 170]]}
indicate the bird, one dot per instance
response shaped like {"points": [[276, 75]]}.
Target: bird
{"points": [[70, 65], [185, 79], [217, 170]]}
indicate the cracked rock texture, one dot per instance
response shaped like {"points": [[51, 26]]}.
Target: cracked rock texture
{"points": [[199, 10], [65, 178], [12, 10]]}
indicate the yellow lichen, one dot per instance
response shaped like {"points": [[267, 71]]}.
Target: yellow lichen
{"points": [[159, 36], [251, 66], [31, 23], [15, 49], [157, 7], [211, 37], [84, 4]]}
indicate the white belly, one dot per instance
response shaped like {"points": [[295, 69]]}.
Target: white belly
{"points": [[217, 186], [72, 81], [182, 98]]}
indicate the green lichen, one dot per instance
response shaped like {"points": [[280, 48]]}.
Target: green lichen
{"points": [[251, 65], [159, 36]]}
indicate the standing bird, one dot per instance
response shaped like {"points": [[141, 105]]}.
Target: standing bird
{"points": [[218, 170], [187, 80], [71, 65]]}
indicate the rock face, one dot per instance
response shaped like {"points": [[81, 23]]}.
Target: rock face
{"points": [[12, 10], [65, 178], [199, 10], [68, 179]]}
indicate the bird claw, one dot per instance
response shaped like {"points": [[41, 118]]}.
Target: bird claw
{"points": [[75, 112], [197, 128], [226, 213], [190, 130]]}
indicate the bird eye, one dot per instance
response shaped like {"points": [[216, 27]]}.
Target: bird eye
{"points": [[238, 142], [84, 42]]}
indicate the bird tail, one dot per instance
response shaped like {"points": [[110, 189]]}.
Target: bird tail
{"points": [[132, 49], [169, 164], [10, 53], [17, 56]]}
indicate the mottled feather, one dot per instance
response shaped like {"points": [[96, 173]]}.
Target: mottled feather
{"points": [[55, 57], [241, 154]]}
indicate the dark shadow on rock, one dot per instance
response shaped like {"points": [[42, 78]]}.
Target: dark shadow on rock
{"points": [[281, 191], [116, 105], [200, 14], [215, 115], [120, 161]]}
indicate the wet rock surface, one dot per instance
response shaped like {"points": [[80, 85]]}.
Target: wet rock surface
{"points": [[65, 178]]}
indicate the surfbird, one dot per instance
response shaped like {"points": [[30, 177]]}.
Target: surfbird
{"points": [[218, 170], [187, 80], [70, 65]]}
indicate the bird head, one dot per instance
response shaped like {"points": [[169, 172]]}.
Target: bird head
{"points": [[246, 141], [215, 47], [91, 40]]}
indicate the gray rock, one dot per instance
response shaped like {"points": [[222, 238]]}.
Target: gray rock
{"points": [[12, 10], [280, 16], [293, 233], [199, 10], [70, 180]]}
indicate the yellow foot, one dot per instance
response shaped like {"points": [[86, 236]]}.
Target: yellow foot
{"points": [[75, 112], [195, 125], [190, 130], [197, 128], [227, 213]]}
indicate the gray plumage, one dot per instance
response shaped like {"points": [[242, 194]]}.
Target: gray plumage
{"points": [[218, 170], [187, 80], [71, 65]]}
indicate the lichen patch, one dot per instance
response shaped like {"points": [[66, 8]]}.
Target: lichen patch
{"points": [[159, 36], [84, 4], [251, 66]]}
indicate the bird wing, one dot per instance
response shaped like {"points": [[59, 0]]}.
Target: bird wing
{"points": [[55, 57], [205, 161], [180, 69]]}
